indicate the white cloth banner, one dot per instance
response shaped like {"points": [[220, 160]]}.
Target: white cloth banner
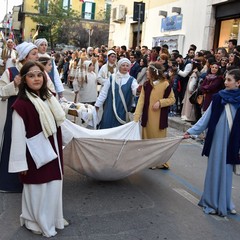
{"points": [[115, 153], [130, 131]]}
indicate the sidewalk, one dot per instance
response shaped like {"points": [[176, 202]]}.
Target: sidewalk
{"points": [[178, 123]]}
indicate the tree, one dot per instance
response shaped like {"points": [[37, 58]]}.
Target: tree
{"points": [[52, 17], [63, 25], [77, 34]]}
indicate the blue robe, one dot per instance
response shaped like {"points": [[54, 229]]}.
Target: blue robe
{"points": [[9, 182], [218, 180], [109, 119]]}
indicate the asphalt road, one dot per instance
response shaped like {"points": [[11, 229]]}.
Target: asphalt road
{"points": [[149, 205]]}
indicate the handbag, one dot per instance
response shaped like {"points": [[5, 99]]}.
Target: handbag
{"points": [[40, 149], [193, 97], [200, 99], [236, 167]]}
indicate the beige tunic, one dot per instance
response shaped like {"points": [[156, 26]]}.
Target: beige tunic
{"points": [[152, 128]]}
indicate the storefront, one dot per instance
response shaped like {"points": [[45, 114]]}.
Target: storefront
{"points": [[227, 23]]}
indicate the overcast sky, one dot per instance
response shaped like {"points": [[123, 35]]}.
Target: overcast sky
{"points": [[10, 4]]}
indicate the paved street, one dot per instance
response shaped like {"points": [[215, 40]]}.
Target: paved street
{"points": [[152, 204]]}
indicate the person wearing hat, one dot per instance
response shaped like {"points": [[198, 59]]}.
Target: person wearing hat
{"points": [[42, 45], [9, 55], [86, 87], [116, 96], [90, 57], [108, 68], [9, 82]]}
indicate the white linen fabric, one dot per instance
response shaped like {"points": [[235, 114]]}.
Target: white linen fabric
{"points": [[115, 153], [49, 116], [86, 112], [34, 204], [32, 196], [40, 149], [120, 79]]}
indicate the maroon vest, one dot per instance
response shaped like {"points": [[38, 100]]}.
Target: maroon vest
{"points": [[163, 117], [50, 171]]}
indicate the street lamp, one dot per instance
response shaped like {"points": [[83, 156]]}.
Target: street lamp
{"points": [[90, 32]]}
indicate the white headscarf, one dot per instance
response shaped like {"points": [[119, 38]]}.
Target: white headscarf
{"points": [[123, 60], [88, 49], [24, 49], [44, 55], [111, 52], [39, 41], [86, 64]]}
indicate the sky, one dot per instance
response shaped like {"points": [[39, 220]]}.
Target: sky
{"points": [[10, 4]]}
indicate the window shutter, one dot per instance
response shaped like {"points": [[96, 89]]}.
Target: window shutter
{"points": [[45, 7], [83, 9], [93, 11], [108, 12]]}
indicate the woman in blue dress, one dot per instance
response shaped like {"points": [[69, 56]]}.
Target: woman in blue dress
{"points": [[9, 82], [221, 146], [116, 96]]}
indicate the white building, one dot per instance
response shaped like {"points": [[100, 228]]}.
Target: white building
{"points": [[206, 23]]}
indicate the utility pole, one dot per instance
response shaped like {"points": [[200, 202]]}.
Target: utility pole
{"points": [[138, 15]]}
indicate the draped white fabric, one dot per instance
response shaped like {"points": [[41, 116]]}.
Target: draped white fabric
{"points": [[115, 153]]}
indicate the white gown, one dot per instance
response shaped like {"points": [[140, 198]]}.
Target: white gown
{"points": [[41, 203]]}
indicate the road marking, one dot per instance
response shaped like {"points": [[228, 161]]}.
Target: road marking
{"points": [[187, 195], [195, 201]]}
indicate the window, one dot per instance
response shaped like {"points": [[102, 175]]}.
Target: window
{"points": [[229, 30], [88, 10], [108, 11], [43, 6], [67, 4]]}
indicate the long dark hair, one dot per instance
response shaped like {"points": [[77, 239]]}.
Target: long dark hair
{"points": [[44, 92], [196, 63], [235, 73]]}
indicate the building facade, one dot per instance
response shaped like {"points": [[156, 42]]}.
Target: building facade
{"points": [[206, 23], [90, 11]]}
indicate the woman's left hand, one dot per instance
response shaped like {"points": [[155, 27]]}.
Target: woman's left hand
{"points": [[156, 106], [24, 172]]}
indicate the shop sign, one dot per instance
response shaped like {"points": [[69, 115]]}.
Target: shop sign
{"points": [[172, 23]]}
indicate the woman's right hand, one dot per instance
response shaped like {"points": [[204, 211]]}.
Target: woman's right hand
{"points": [[186, 135], [17, 80]]}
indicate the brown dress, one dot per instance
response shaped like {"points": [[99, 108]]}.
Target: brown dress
{"points": [[152, 128]]}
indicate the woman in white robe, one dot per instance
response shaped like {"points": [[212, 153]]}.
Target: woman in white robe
{"points": [[38, 113]]}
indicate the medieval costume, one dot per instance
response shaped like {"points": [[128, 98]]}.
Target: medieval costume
{"points": [[42, 192]]}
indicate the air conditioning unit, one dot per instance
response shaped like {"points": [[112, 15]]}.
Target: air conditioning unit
{"points": [[119, 14]]}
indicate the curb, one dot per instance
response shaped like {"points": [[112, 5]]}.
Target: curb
{"points": [[177, 123]]}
